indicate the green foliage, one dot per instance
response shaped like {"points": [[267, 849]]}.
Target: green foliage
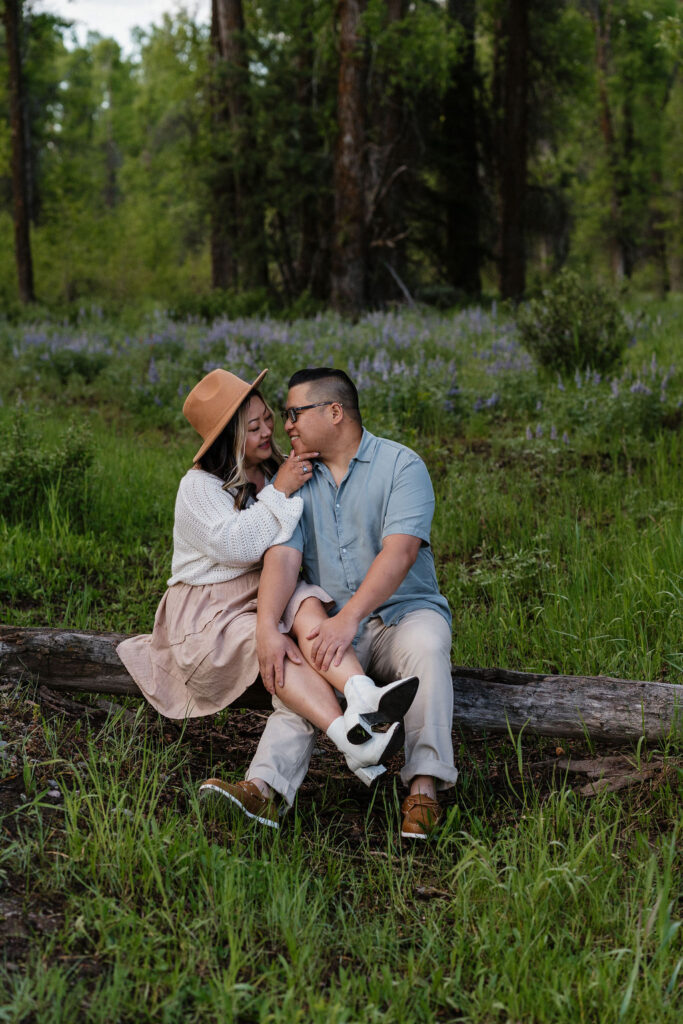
{"points": [[574, 325], [124, 151], [38, 477], [417, 52], [219, 303]]}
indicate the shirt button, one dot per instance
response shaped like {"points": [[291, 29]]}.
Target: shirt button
{"points": [[343, 551], [337, 506]]}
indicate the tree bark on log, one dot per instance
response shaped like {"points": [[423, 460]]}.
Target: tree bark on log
{"points": [[491, 699]]}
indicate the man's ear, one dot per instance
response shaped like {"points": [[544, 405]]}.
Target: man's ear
{"points": [[337, 410]]}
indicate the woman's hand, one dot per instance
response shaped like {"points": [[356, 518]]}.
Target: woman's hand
{"points": [[273, 648], [294, 472]]}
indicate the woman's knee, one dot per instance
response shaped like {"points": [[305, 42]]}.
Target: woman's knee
{"points": [[309, 613]]}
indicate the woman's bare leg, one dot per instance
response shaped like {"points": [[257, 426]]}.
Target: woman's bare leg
{"points": [[310, 614], [364, 698], [307, 693]]}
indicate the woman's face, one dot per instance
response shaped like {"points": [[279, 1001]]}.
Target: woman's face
{"points": [[259, 432]]}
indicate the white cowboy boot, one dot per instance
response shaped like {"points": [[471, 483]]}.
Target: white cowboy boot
{"points": [[368, 704], [366, 760]]}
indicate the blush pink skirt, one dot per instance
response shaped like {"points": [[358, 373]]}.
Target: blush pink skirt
{"points": [[201, 654]]}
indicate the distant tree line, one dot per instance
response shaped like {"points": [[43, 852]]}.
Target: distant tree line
{"points": [[351, 152]]}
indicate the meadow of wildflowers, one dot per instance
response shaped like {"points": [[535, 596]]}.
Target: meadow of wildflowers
{"points": [[520, 459], [557, 536], [416, 371]]}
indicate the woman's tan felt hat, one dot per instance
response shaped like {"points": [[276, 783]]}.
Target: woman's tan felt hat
{"points": [[214, 401]]}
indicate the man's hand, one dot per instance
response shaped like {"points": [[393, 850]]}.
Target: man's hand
{"points": [[332, 639], [272, 648]]}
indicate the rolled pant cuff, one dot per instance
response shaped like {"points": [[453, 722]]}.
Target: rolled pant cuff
{"points": [[276, 781], [446, 775]]}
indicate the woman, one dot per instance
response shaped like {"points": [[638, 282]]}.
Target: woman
{"points": [[239, 499]]}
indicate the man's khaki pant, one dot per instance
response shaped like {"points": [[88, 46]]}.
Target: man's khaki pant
{"points": [[418, 645]]}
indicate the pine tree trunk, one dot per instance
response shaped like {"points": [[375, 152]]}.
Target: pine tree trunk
{"points": [[386, 169], [222, 185], [463, 194], [513, 155], [349, 251], [602, 27], [312, 266], [12, 18], [240, 194]]}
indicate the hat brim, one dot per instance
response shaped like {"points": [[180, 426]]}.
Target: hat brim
{"points": [[230, 412]]}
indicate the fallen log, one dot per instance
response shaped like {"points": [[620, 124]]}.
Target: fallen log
{"points": [[491, 699]]}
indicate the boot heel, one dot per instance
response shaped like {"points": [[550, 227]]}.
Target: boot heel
{"points": [[369, 774]]}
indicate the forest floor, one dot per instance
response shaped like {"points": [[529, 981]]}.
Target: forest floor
{"points": [[512, 774]]}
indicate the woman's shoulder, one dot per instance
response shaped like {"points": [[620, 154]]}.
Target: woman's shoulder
{"points": [[197, 484]]}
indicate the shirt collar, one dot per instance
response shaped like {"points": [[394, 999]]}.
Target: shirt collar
{"points": [[366, 448]]}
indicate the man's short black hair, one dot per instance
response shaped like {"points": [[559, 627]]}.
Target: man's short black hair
{"points": [[331, 384]]}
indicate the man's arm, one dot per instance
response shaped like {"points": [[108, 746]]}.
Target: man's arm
{"points": [[280, 572], [386, 573]]}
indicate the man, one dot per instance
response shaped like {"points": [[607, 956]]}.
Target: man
{"points": [[364, 538]]}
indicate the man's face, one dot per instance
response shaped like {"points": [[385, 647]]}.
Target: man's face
{"points": [[307, 434]]}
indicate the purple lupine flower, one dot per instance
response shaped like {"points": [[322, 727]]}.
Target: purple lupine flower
{"points": [[614, 385], [638, 388], [478, 404], [565, 438], [539, 430], [492, 400], [577, 379], [597, 378], [529, 435], [553, 433], [152, 372], [560, 385]]}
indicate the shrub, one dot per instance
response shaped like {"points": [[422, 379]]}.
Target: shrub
{"points": [[221, 304], [574, 325], [36, 478]]}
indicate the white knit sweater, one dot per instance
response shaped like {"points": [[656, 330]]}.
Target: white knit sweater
{"points": [[213, 541]]}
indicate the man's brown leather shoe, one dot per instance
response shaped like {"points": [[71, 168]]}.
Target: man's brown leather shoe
{"points": [[245, 795], [421, 815]]}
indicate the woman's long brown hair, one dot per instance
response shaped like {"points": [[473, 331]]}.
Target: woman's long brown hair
{"points": [[225, 457]]}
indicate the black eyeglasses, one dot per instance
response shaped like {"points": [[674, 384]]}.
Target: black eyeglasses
{"points": [[292, 413]]}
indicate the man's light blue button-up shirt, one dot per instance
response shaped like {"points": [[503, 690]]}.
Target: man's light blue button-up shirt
{"points": [[386, 490]]}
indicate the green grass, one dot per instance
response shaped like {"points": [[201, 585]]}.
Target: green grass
{"points": [[537, 908], [535, 904]]}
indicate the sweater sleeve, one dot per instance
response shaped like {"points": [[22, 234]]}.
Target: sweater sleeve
{"points": [[207, 522]]}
